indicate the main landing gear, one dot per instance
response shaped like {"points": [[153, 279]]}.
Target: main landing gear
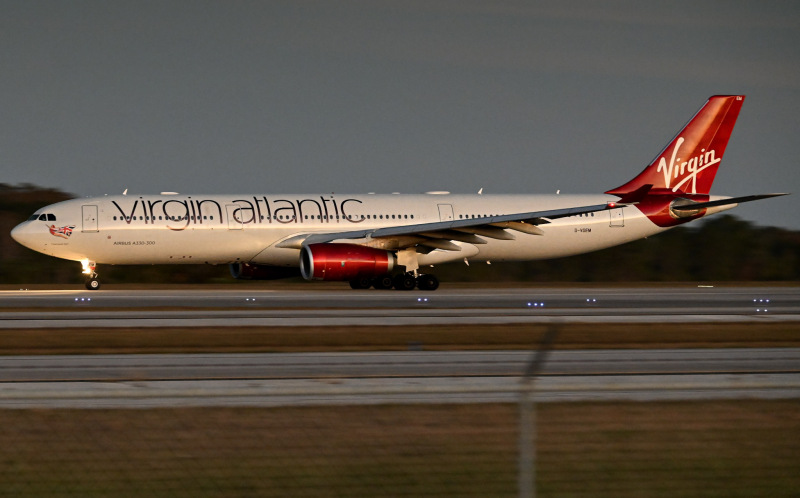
{"points": [[401, 281], [92, 281]]}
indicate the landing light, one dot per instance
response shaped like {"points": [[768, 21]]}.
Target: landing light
{"points": [[533, 304], [422, 299]]}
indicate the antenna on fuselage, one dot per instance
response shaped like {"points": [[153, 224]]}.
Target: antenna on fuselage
{"points": [[125, 192]]}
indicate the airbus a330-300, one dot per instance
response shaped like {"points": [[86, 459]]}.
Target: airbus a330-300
{"points": [[383, 241]]}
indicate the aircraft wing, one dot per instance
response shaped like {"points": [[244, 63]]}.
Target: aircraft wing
{"points": [[723, 202], [440, 234]]}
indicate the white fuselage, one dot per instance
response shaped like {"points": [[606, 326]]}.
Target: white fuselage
{"points": [[199, 229]]}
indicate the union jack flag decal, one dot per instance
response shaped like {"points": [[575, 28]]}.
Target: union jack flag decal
{"points": [[63, 232]]}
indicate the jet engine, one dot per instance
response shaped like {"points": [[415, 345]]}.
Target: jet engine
{"points": [[246, 271], [683, 213], [344, 262]]}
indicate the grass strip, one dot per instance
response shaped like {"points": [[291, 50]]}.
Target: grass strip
{"points": [[392, 338]]}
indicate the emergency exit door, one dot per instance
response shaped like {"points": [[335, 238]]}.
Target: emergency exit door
{"points": [[445, 212], [617, 217], [89, 218]]}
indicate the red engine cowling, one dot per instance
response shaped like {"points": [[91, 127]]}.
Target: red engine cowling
{"points": [[246, 271], [344, 262]]}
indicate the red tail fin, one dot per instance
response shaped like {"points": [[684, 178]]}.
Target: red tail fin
{"points": [[689, 162]]}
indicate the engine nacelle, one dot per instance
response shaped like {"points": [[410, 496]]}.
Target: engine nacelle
{"points": [[246, 271], [680, 201], [344, 262]]}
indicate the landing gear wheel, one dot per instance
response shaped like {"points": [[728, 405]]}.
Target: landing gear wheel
{"points": [[383, 283], [427, 282], [360, 283], [92, 283], [404, 281]]}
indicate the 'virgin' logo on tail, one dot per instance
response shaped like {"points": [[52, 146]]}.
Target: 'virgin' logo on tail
{"points": [[690, 168]]}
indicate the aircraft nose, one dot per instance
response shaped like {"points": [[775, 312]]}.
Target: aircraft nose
{"points": [[16, 232], [23, 235]]}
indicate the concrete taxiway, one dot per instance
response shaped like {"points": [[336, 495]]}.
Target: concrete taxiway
{"points": [[395, 364], [143, 381]]}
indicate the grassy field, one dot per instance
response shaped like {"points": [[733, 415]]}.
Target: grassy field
{"points": [[720, 448], [282, 339]]}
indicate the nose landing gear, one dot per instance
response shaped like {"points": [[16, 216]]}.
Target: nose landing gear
{"points": [[92, 281]]}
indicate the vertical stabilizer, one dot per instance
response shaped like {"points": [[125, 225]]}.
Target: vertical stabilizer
{"points": [[689, 162]]}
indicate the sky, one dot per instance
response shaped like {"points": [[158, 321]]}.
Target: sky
{"points": [[355, 96]]}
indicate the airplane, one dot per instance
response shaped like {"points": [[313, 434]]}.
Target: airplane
{"points": [[383, 241]]}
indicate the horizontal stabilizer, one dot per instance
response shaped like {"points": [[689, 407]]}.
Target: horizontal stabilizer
{"points": [[722, 202], [637, 195]]}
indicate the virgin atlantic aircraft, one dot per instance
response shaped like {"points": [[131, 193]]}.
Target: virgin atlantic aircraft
{"points": [[383, 241]]}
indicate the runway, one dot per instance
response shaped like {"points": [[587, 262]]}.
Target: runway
{"points": [[280, 379], [288, 308], [143, 381]]}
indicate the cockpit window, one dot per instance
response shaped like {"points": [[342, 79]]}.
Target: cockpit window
{"points": [[42, 217]]}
